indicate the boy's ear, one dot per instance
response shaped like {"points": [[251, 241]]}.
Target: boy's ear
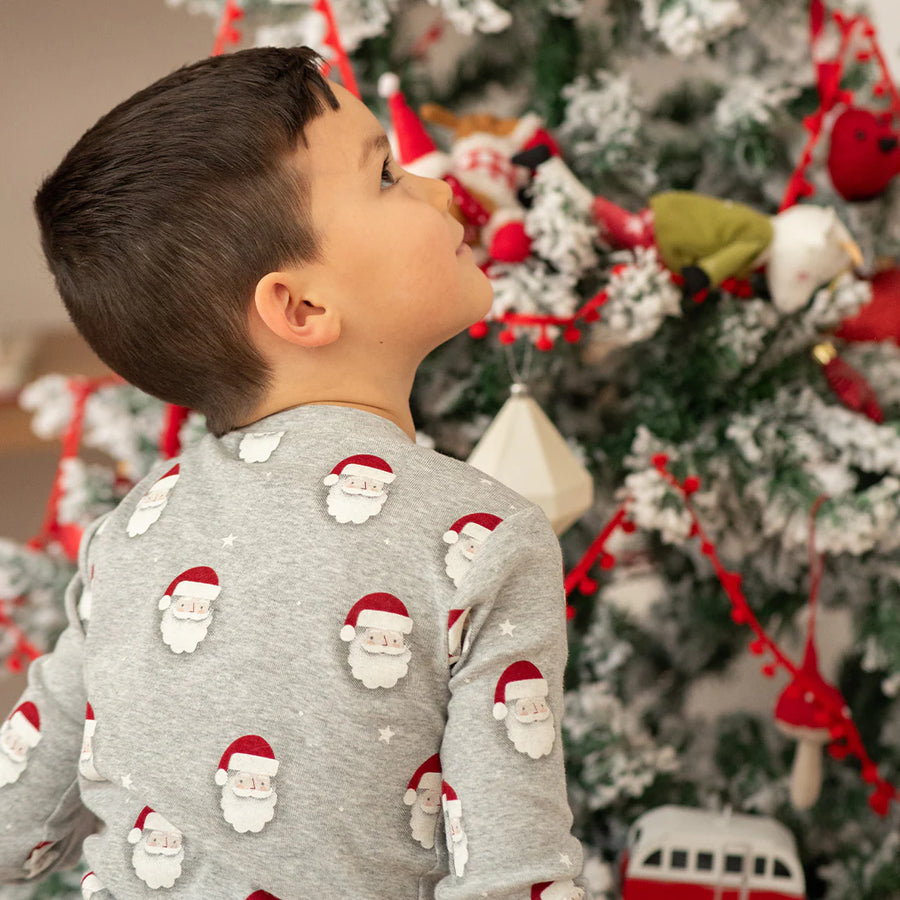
{"points": [[285, 307]]}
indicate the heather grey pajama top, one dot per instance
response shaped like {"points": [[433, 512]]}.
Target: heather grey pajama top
{"points": [[307, 659]]}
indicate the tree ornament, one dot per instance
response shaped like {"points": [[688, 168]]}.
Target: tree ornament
{"points": [[864, 154], [849, 385], [523, 449], [878, 320]]}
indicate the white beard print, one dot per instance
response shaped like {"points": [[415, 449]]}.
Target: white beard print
{"points": [[144, 516], [10, 769], [86, 763], [157, 870], [246, 813], [532, 738], [423, 822], [183, 635], [562, 890], [377, 670], [356, 508], [458, 848], [457, 564]]}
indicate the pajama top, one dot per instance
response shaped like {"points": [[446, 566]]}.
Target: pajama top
{"points": [[307, 660]]}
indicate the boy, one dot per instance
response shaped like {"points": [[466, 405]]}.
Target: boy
{"points": [[307, 658]]}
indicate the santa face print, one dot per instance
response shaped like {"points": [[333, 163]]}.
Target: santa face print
{"points": [[457, 843], [14, 749], [86, 767], [84, 601], [375, 628], [157, 857], [457, 634], [357, 488], [152, 504], [466, 537], [187, 608], [248, 801]]}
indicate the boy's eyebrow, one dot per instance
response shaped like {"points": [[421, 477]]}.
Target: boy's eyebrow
{"points": [[373, 144]]}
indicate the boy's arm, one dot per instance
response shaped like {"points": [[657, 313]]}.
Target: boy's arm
{"points": [[42, 819], [506, 815]]}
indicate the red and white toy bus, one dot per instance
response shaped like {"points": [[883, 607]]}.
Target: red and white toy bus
{"points": [[681, 853]]}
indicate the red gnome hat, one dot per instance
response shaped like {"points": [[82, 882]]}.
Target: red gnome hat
{"points": [[378, 610], [519, 680], [416, 150], [428, 775]]}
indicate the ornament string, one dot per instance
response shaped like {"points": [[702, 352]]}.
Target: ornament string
{"points": [[832, 712]]}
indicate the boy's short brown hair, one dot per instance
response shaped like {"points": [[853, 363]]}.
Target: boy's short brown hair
{"points": [[162, 218]]}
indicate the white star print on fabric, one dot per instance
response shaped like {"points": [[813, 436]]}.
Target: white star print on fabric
{"points": [[229, 541], [564, 858], [126, 782], [386, 734], [507, 627]]}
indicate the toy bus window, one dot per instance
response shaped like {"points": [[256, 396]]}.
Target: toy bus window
{"points": [[704, 861], [678, 859], [734, 862], [759, 865], [781, 870], [654, 859]]}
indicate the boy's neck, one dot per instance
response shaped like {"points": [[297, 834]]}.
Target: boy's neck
{"points": [[398, 413]]}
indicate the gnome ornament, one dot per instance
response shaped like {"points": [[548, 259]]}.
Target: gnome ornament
{"points": [[150, 507], [19, 735], [520, 701], [466, 536], [186, 608], [158, 849], [357, 488], [482, 151], [523, 449], [423, 796], [245, 775], [707, 240], [375, 628]]}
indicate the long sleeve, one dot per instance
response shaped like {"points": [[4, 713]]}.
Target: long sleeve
{"points": [[42, 819], [506, 814]]}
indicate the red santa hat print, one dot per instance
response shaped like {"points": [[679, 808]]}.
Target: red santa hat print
{"points": [[378, 610], [249, 753], [519, 680], [200, 582], [428, 775], [90, 884], [476, 525], [451, 802], [149, 819], [168, 480], [261, 895], [416, 150], [26, 722], [365, 466], [90, 723]]}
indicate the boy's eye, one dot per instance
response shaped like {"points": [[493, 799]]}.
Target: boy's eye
{"points": [[386, 175]]}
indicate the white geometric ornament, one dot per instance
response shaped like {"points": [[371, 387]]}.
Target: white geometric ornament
{"points": [[523, 449]]}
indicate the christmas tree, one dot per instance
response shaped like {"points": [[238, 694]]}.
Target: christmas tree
{"points": [[691, 222]]}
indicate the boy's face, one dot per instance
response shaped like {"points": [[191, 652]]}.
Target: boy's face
{"points": [[393, 257]]}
